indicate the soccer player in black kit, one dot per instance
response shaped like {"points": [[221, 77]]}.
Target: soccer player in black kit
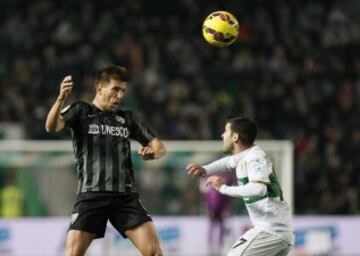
{"points": [[101, 133]]}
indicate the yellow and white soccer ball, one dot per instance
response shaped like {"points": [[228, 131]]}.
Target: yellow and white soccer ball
{"points": [[220, 28]]}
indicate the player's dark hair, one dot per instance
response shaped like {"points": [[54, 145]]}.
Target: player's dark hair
{"points": [[107, 73], [245, 127]]}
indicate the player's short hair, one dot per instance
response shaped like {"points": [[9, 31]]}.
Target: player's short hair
{"points": [[245, 127], [115, 72]]}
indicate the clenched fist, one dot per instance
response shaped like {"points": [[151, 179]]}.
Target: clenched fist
{"points": [[65, 87], [195, 170]]}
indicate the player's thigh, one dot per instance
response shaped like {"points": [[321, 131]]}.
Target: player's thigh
{"points": [[238, 249], [145, 239], [268, 245], [258, 243], [243, 243], [90, 214], [78, 242], [128, 214], [284, 252]]}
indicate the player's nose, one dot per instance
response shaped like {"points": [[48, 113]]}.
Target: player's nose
{"points": [[119, 95]]}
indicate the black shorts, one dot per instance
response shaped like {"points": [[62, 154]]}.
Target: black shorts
{"points": [[92, 210]]}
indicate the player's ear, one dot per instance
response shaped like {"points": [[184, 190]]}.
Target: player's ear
{"points": [[235, 137], [99, 88]]}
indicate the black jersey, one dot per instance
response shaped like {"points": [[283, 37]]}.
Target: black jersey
{"points": [[101, 142]]}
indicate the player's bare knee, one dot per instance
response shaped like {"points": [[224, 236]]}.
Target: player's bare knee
{"points": [[153, 251], [74, 254], [73, 250], [156, 253]]}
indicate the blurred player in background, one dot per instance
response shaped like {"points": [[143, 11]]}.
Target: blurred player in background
{"points": [[101, 133], [218, 209], [12, 198], [272, 233]]}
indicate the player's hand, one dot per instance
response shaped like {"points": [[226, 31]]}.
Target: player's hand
{"points": [[195, 170], [66, 87], [146, 153], [215, 182]]}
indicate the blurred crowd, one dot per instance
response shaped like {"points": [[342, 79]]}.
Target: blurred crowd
{"points": [[295, 70]]}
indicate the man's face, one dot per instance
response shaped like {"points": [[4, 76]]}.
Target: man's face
{"points": [[112, 94], [227, 136]]}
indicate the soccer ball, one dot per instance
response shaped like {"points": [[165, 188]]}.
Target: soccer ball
{"points": [[220, 28]]}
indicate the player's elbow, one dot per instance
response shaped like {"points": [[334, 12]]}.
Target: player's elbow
{"points": [[52, 128], [49, 129]]}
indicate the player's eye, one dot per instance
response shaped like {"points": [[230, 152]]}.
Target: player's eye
{"points": [[118, 89]]}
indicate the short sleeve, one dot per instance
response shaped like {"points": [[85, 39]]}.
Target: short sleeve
{"points": [[259, 170], [71, 114], [139, 131]]}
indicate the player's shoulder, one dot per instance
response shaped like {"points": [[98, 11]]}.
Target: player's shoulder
{"points": [[126, 113], [75, 105], [255, 153], [130, 115], [237, 159]]}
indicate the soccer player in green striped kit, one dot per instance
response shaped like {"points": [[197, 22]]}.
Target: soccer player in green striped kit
{"points": [[272, 233]]}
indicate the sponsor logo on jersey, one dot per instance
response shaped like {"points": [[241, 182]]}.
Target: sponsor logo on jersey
{"points": [[105, 129]]}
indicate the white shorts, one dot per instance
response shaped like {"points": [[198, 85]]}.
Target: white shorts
{"points": [[259, 243]]}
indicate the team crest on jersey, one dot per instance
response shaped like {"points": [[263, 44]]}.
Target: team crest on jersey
{"points": [[94, 129], [120, 119]]}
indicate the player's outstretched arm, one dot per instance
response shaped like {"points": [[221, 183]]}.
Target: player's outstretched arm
{"points": [[54, 121], [153, 150], [253, 188], [222, 165]]}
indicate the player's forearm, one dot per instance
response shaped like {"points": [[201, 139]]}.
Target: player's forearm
{"points": [[217, 166], [53, 120], [248, 190]]}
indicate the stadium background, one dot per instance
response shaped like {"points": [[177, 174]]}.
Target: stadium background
{"points": [[295, 70]]}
